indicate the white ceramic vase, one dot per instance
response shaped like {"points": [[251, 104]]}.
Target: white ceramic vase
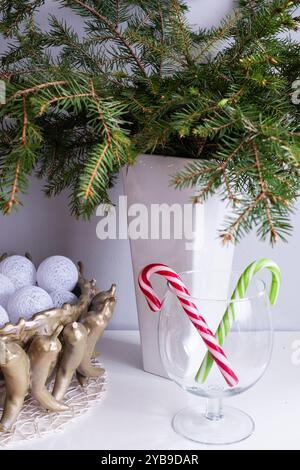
{"points": [[148, 183]]}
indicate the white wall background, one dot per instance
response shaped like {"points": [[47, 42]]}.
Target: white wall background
{"points": [[44, 227]]}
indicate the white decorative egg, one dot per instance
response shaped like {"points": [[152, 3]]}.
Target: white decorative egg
{"points": [[61, 297], [3, 317], [20, 270], [57, 273], [7, 288], [28, 301]]}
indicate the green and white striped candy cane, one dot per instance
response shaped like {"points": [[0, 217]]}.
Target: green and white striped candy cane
{"points": [[240, 293]]}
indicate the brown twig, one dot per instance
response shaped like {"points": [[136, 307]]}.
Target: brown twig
{"points": [[12, 198], [264, 192], [295, 134], [25, 123], [62, 98], [231, 195], [228, 236], [36, 89], [145, 19], [221, 168], [233, 154], [118, 4], [206, 190], [179, 180], [187, 53], [162, 39], [88, 191]]}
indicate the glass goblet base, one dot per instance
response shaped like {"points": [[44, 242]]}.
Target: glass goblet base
{"points": [[228, 427]]}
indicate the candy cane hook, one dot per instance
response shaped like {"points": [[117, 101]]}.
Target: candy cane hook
{"points": [[190, 309]]}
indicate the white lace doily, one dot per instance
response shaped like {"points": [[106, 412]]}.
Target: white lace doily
{"points": [[36, 423]]}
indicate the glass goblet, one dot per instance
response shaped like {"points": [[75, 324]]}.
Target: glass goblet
{"points": [[248, 348]]}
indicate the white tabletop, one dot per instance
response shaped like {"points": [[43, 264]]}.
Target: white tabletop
{"points": [[138, 407]]}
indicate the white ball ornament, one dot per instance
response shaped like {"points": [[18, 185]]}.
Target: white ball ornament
{"points": [[6, 290], [57, 273], [20, 270], [61, 297], [3, 317], [28, 301]]}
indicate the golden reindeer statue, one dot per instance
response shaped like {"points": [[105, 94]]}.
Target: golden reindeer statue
{"points": [[59, 342]]}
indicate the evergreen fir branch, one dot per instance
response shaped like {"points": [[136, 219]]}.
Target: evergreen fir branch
{"points": [[114, 31], [241, 224], [17, 163], [162, 38], [141, 80], [80, 54], [181, 31], [211, 39], [15, 13], [57, 99], [106, 157], [265, 193], [102, 154], [8, 205], [193, 173], [35, 89], [25, 122], [271, 18]]}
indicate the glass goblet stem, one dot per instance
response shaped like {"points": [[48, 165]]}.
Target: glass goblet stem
{"points": [[214, 409]]}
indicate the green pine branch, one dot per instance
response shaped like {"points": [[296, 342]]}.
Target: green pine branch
{"points": [[140, 79]]}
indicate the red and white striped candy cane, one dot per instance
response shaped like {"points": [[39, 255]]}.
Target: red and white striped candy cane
{"points": [[190, 309]]}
